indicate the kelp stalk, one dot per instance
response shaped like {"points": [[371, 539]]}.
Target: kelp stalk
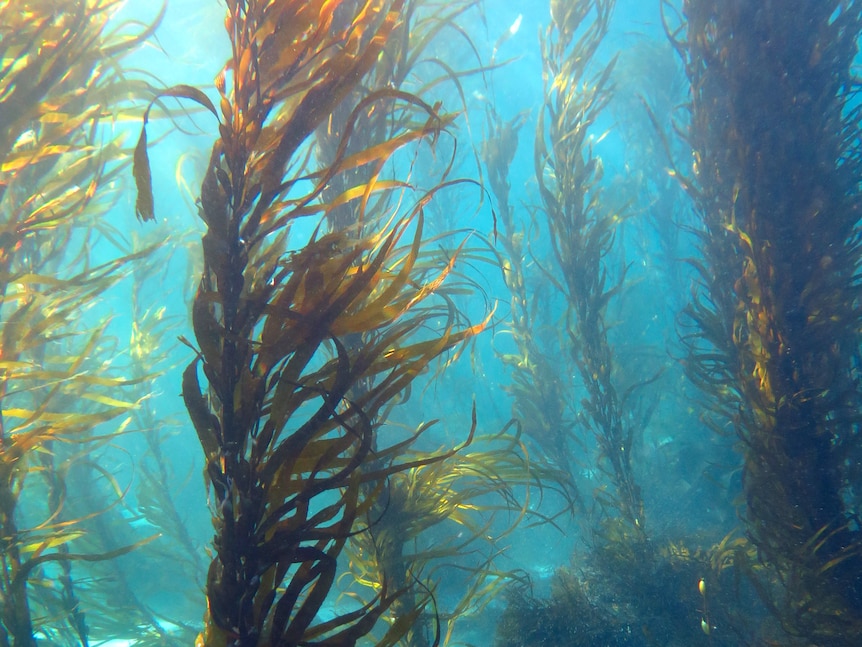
{"points": [[539, 404]]}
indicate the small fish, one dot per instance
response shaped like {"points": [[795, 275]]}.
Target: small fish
{"points": [[25, 139], [506, 35]]}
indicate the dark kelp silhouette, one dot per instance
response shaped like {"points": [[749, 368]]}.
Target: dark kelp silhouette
{"points": [[631, 587], [775, 136], [582, 232], [538, 403]]}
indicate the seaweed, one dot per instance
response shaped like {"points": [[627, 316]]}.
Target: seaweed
{"points": [[439, 522], [582, 232], [294, 460], [60, 78], [538, 402], [775, 322], [339, 279], [567, 617]]}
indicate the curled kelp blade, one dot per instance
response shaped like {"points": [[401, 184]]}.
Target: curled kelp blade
{"points": [[144, 203]]}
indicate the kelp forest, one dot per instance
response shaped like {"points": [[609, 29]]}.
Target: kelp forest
{"points": [[423, 323]]}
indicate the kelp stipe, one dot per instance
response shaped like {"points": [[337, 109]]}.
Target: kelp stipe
{"points": [[775, 136], [289, 441], [60, 77]]}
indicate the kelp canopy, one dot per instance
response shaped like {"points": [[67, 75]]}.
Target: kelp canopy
{"points": [[351, 249]]}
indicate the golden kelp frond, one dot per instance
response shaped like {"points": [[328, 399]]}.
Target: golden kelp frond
{"points": [[403, 92], [60, 82], [304, 64], [410, 536]]}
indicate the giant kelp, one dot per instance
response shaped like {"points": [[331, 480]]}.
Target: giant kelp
{"points": [[396, 552], [293, 457], [445, 520], [569, 177], [539, 403], [775, 136], [59, 80], [631, 586]]}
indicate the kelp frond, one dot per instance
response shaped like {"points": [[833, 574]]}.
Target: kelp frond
{"points": [[435, 518]]}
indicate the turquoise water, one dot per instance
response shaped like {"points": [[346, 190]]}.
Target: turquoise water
{"points": [[643, 446]]}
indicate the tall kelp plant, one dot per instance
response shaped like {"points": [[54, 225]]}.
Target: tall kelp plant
{"points": [[582, 232], [629, 588], [59, 82], [293, 459], [404, 548], [775, 132], [539, 403]]}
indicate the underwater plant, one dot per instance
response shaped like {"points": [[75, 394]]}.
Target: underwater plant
{"points": [[289, 419], [539, 403], [631, 586], [61, 395], [566, 617], [569, 177], [775, 321], [438, 518]]}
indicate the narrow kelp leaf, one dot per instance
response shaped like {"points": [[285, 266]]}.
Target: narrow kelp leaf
{"points": [[201, 417], [36, 548], [144, 203], [44, 558], [21, 160], [454, 489]]}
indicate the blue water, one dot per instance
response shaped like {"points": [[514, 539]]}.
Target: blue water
{"points": [[688, 475]]}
